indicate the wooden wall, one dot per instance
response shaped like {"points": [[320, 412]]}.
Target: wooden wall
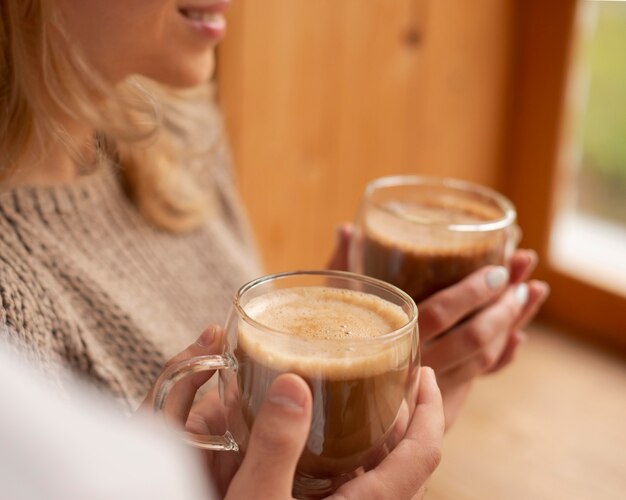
{"points": [[322, 96]]}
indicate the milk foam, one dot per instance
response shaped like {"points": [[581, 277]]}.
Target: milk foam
{"points": [[408, 226], [327, 332]]}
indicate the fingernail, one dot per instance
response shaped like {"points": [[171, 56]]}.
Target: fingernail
{"points": [[207, 337], [497, 277], [521, 294], [286, 394]]}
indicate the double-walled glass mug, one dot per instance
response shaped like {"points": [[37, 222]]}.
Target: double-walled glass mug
{"points": [[423, 234], [353, 339]]}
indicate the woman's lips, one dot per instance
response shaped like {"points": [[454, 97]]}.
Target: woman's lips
{"points": [[207, 18]]}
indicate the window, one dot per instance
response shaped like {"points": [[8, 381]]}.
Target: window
{"points": [[566, 154], [588, 238]]}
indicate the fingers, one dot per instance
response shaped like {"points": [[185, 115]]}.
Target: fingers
{"points": [[483, 337], [278, 437], [207, 416], [538, 292], [446, 308], [339, 259], [498, 318], [182, 394], [522, 265], [516, 339], [407, 468]]}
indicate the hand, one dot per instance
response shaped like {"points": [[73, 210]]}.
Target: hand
{"points": [[267, 471], [470, 328], [280, 431], [277, 437], [476, 326]]}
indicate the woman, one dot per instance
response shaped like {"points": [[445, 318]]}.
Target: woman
{"points": [[121, 240], [120, 230]]}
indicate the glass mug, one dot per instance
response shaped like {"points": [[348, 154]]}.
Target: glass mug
{"points": [[353, 339], [423, 234]]}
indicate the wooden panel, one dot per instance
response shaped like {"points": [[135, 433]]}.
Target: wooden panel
{"points": [[468, 49], [321, 97]]}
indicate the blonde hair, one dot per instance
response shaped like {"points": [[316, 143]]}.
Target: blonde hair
{"points": [[151, 131]]}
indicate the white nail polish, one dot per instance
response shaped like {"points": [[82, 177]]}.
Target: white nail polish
{"points": [[521, 294], [497, 277]]}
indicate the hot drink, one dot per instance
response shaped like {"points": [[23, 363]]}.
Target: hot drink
{"points": [[433, 258], [357, 391], [424, 234]]}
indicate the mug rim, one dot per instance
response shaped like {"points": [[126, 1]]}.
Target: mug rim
{"points": [[387, 337], [508, 209]]}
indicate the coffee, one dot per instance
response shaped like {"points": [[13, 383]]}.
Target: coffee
{"points": [[357, 392], [411, 246]]}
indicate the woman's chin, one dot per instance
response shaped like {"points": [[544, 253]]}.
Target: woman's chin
{"points": [[185, 76]]}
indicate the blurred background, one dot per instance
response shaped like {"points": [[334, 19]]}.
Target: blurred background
{"points": [[525, 96]]}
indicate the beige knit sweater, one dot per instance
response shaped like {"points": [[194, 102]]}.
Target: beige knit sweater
{"points": [[86, 283]]}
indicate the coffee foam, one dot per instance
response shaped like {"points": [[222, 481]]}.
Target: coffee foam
{"points": [[324, 326], [407, 225]]}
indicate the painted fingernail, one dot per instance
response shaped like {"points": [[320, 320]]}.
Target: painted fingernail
{"points": [[521, 294], [497, 277], [286, 394], [207, 337]]}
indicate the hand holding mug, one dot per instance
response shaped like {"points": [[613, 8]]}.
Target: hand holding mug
{"points": [[451, 245], [493, 343], [353, 339], [476, 326]]}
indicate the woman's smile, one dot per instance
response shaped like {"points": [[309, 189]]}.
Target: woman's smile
{"points": [[208, 18]]}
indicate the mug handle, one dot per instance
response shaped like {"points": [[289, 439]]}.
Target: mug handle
{"points": [[182, 369]]}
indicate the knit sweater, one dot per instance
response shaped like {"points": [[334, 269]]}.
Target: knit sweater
{"points": [[87, 284]]}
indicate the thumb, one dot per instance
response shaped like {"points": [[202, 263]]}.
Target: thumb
{"points": [[339, 259], [278, 437]]}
